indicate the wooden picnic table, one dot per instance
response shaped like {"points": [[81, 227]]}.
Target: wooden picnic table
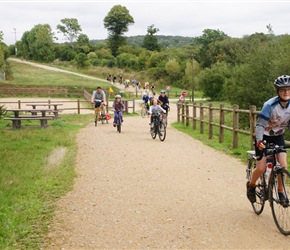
{"points": [[17, 118], [55, 111]]}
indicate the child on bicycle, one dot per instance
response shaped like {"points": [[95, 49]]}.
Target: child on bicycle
{"points": [[270, 126], [155, 110], [118, 105]]}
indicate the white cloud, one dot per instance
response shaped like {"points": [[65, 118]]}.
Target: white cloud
{"points": [[184, 18]]}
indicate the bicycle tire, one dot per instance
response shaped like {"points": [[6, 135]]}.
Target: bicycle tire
{"points": [[259, 205], [143, 112], [162, 131], [119, 124], [96, 119], [153, 132], [280, 212]]}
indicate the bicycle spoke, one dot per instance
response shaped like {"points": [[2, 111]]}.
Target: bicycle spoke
{"points": [[257, 206], [280, 206]]}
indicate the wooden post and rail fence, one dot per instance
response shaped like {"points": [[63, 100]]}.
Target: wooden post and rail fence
{"points": [[215, 117], [129, 104]]}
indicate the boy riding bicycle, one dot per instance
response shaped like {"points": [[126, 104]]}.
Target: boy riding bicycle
{"points": [[270, 126]]}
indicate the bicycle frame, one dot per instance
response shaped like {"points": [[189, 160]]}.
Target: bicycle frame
{"points": [[276, 190]]}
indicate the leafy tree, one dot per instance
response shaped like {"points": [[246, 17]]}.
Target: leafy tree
{"points": [[117, 22], [212, 80], [64, 52], [208, 38], [173, 70], [40, 43], [251, 83], [70, 29], [82, 60], [150, 41]]}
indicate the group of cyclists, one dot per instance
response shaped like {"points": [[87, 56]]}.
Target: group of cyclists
{"points": [[154, 106]]}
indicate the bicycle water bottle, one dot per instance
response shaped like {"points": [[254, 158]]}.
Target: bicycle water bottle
{"points": [[269, 167]]}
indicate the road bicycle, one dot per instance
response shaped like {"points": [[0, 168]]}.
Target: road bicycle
{"points": [[144, 110], [119, 121], [100, 113], [269, 190], [157, 127]]}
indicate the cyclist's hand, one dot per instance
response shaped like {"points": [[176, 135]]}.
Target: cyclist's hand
{"points": [[260, 145], [92, 102]]}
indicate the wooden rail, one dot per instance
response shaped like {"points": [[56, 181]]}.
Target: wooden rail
{"points": [[210, 112]]}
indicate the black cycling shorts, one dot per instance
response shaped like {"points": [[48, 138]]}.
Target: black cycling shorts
{"points": [[278, 140], [98, 104]]}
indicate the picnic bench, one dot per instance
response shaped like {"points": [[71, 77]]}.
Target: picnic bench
{"points": [[17, 118], [55, 110]]}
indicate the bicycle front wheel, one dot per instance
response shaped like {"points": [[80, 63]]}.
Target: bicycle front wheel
{"points": [[119, 124], [279, 201], [96, 119], [162, 131], [143, 112], [153, 132], [257, 206]]}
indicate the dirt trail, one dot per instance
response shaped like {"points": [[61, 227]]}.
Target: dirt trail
{"points": [[133, 192]]}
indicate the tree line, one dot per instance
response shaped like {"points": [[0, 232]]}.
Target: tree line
{"points": [[238, 70]]}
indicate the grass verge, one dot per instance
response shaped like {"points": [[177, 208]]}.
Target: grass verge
{"points": [[37, 167]]}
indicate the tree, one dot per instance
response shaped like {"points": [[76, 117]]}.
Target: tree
{"points": [[208, 38], [40, 43], [70, 29], [117, 22], [212, 80], [150, 41]]}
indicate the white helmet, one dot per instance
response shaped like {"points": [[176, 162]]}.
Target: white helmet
{"points": [[117, 96]]}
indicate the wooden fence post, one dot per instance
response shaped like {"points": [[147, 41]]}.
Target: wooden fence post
{"points": [[19, 104], [210, 121], [235, 126], [178, 112], [194, 116], [187, 114], [201, 118], [252, 125], [133, 105], [182, 113], [222, 122], [79, 106]]}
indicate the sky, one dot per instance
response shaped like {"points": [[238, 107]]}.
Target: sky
{"points": [[177, 18]]}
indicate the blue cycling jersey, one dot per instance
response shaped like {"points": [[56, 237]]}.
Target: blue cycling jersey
{"points": [[276, 115], [146, 99]]}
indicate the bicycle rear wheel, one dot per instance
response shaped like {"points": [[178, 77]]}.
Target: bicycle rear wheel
{"points": [[258, 206], [280, 209], [162, 131]]}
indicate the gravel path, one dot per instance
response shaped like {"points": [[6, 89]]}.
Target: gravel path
{"points": [[133, 192]]}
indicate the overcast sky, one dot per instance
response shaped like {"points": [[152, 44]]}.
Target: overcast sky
{"points": [[178, 18]]}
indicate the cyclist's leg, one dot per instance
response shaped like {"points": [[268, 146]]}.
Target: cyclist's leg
{"points": [[121, 115], [283, 162], [260, 168], [115, 118]]}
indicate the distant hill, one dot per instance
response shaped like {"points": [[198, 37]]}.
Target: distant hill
{"points": [[165, 41]]}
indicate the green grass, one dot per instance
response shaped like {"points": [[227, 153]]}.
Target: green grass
{"points": [[29, 185], [226, 147], [27, 75]]}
